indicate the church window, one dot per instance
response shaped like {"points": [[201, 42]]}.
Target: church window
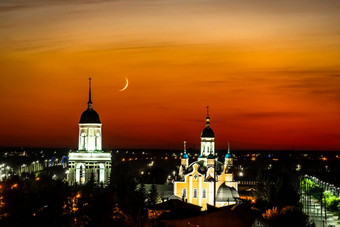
{"points": [[81, 174], [97, 141], [184, 193], [195, 193], [204, 193], [101, 174], [83, 135], [195, 176]]}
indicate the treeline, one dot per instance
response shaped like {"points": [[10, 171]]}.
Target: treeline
{"points": [[38, 200], [277, 195]]}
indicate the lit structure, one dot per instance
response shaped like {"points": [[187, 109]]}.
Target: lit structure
{"points": [[207, 139], [207, 180], [5, 171], [89, 161]]}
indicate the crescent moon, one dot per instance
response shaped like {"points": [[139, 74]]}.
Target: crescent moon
{"points": [[126, 85]]}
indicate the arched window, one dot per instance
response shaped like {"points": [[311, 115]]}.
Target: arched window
{"points": [[195, 193], [83, 141], [97, 139], [80, 173], [204, 193], [184, 193], [101, 175]]}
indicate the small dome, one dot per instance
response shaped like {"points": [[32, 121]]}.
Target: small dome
{"points": [[235, 193], [225, 194], [89, 116], [202, 169], [208, 132], [228, 155], [211, 156], [185, 156]]}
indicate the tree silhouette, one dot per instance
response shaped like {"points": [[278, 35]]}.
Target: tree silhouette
{"points": [[153, 196]]}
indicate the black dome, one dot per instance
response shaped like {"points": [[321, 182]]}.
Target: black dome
{"points": [[89, 116], [225, 194], [208, 132]]}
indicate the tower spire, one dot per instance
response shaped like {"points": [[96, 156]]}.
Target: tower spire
{"points": [[228, 147], [207, 119], [185, 155], [89, 102]]}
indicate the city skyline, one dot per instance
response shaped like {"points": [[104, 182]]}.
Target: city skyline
{"points": [[269, 71]]}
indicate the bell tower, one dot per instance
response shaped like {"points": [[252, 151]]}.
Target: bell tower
{"points": [[89, 161], [90, 128], [207, 138]]}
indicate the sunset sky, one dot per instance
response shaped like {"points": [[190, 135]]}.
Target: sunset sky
{"points": [[269, 70]]}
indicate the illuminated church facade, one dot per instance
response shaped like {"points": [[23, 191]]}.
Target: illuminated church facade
{"points": [[207, 180], [89, 161]]}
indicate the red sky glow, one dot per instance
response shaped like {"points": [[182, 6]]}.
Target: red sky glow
{"points": [[269, 70]]}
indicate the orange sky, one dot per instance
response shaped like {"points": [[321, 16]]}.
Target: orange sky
{"points": [[269, 70]]}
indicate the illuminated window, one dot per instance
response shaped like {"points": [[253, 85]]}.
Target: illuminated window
{"points": [[81, 174], [204, 193], [97, 141], [101, 174], [184, 193], [195, 193], [83, 135]]}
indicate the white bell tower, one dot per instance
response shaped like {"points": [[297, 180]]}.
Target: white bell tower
{"points": [[207, 139], [89, 161], [90, 128]]}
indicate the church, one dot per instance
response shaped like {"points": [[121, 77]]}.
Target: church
{"points": [[207, 180], [89, 161]]}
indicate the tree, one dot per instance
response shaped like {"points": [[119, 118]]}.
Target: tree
{"points": [[154, 196], [287, 216], [276, 188]]}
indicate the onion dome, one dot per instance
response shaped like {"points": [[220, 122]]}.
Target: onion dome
{"points": [[226, 193], [211, 156], [228, 155], [208, 132], [89, 115], [185, 155]]}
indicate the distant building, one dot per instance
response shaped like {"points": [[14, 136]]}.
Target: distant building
{"points": [[89, 161], [207, 180]]}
